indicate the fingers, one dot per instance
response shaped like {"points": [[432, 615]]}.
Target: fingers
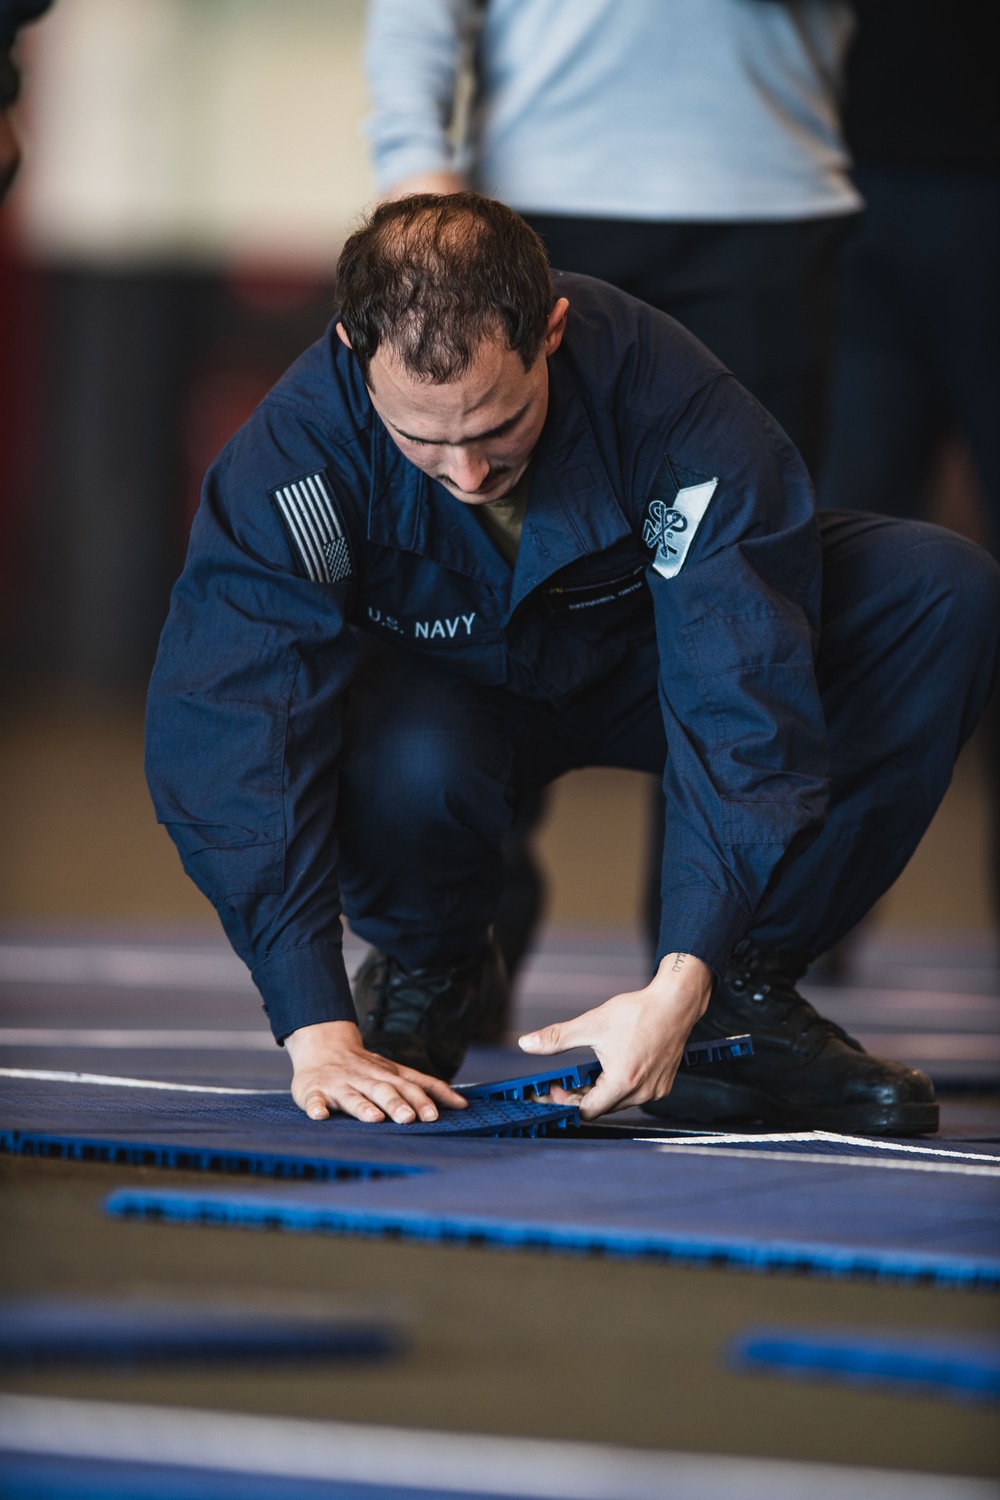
{"points": [[319, 1103], [601, 1099], [579, 1032], [372, 1088], [315, 1106], [438, 1090], [558, 1095], [608, 1095], [353, 1102]]}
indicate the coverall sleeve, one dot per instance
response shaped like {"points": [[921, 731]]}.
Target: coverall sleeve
{"points": [[413, 50], [244, 728], [746, 778]]}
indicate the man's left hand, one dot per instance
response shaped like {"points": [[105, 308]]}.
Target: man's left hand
{"points": [[639, 1037]]}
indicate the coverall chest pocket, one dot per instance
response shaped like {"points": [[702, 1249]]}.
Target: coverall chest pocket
{"points": [[604, 602]]}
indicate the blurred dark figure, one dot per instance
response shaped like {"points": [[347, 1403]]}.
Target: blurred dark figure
{"points": [[919, 352], [919, 344], [13, 14]]}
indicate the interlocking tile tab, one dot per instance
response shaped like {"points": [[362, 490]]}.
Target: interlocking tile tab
{"points": [[582, 1075], [534, 1085], [718, 1049]]}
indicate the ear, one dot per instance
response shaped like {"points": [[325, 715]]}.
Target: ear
{"points": [[342, 335], [556, 326]]}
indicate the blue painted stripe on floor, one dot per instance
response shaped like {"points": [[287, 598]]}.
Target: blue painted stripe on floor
{"points": [[965, 1368]]}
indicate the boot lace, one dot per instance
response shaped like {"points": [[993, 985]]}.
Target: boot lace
{"points": [[769, 978]]}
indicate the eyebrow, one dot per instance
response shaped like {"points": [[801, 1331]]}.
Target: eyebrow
{"points": [[476, 437]]}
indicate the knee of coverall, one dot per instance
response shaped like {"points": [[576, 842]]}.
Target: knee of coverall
{"points": [[427, 762], [962, 588], [425, 800], [923, 592]]}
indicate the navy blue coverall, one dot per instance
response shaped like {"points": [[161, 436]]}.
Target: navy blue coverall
{"points": [[354, 689]]}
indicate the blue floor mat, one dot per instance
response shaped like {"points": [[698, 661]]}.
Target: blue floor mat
{"points": [[966, 1369], [38, 1331], [254, 1133], [827, 1204], [837, 1218]]}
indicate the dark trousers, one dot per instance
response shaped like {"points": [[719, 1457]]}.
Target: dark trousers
{"points": [[918, 356], [919, 342], [436, 768], [761, 296]]}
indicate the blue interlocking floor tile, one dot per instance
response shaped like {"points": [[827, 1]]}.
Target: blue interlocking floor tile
{"points": [[262, 1134], [582, 1075], [224, 1130], [965, 1368], [633, 1200]]}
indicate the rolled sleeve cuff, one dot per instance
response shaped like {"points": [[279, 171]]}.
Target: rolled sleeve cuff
{"points": [[703, 922], [304, 986]]}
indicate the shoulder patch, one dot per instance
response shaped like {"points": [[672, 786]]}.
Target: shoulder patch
{"points": [[670, 529], [314, 528]]}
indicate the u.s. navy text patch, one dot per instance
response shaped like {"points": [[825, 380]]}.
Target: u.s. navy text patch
{"points": [[670, 529], [314, 528]]}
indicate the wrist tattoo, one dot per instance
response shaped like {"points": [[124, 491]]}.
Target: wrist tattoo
{"points": [[679, 961]]}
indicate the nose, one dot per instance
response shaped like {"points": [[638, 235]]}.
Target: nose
{"points": [[467, 470]]}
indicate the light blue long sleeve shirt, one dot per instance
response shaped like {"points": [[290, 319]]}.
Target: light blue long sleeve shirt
{"points": [[684, 110]]}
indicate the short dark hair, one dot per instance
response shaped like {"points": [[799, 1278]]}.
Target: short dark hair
{"points": [[433, 275]]}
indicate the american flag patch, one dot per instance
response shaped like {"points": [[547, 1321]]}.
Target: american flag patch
{"points": [[316, 532]]}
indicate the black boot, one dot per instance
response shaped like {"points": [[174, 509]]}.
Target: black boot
{"points": [[425, 1018], [806, 1072]]}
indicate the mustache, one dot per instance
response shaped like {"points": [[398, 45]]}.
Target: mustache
{"points": [[491, 478]]}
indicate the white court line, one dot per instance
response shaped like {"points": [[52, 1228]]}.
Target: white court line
{"points": [[39, 1036], [52, 1076], [898, 1164], [447, 1462], [828, 1137]]}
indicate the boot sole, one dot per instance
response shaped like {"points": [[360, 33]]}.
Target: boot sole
{"points": [[722, 1105]]}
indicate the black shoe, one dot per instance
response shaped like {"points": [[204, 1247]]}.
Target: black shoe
{"points": [[805, 1073], [425, 1018]]}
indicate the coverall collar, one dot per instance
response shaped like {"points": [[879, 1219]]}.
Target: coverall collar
{"points": [[572, 509]]}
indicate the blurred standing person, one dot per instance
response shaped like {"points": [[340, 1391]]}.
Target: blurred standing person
{"points": [[918, 354], [919, 341], [687, 151]]}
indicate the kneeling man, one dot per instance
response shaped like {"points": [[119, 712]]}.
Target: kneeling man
{"points": [[495, 525]]}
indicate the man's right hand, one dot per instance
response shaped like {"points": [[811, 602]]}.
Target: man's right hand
{"points": [[334, 1072]]}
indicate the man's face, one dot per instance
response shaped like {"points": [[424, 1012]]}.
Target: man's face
{"points": [[475, 434]]}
